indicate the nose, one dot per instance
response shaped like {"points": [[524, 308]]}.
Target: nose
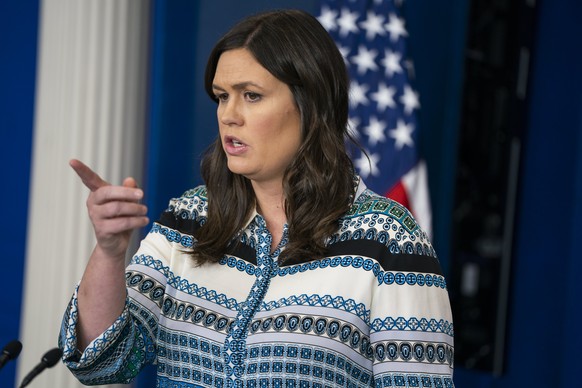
{"points": [[229, 112]]}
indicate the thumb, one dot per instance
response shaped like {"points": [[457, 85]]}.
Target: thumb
{"points": [[129, 182]]}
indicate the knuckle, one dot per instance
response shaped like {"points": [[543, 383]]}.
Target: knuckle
{"points": [[116, 209], [111, 209]]}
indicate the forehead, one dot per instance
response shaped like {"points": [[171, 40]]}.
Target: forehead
{"points": [[239, 65]]}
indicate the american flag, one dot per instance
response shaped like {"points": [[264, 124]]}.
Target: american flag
{"points": [[371, 35]]}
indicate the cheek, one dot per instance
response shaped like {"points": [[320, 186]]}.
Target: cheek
{"points": [[267, 130]]}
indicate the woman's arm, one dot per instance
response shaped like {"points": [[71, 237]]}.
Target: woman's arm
{"points": [[114, 211]]}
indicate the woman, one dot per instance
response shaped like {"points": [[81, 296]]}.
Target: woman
{"points": [[284, 269]]}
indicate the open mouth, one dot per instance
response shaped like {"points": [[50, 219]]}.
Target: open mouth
{"points": [[233, 141], [234, 146]]}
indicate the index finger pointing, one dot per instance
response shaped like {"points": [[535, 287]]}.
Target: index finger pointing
{"points": [[88, 176]]}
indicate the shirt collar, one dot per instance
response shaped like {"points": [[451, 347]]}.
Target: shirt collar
{"points": [[254, 214], [360, 187]]}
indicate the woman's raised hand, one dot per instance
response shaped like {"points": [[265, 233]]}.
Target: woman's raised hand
{"points": [[114, 210]]}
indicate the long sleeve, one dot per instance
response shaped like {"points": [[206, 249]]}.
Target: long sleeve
{"points": [[123, 349], [411, 326], [409, 320], [411, 330]]}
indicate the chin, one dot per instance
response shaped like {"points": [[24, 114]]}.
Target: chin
{"points": [[238, 169]]}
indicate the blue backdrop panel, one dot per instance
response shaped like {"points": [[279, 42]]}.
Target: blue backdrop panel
{"points": [[545, 311], [545, 319], [436, 45], [170, 156], [18, 35]]}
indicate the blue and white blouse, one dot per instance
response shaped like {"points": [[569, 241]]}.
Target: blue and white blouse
{"points": [[374, 313]]}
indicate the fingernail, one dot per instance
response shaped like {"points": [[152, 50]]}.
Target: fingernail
{"points": [[138, 193]]}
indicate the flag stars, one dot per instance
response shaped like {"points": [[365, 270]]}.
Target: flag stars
{"points": [[365, 59], [391, 63], [402, 134], [384, 97], [409, 99], [367, 166], [347, 22], [358, 94], [371, 37], [395, 27], [373, 25], [375, 131], [328, 18]]}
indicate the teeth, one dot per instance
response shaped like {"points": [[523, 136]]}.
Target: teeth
{"points": [[236, 143]]}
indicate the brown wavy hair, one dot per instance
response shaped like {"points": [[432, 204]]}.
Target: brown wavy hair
{"points": [[318, 184]]}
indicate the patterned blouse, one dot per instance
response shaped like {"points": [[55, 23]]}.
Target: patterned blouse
{"points": [[374, 313]]}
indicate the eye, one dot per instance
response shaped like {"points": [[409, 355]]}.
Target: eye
{"points": [[252, 96], [221, 97]]}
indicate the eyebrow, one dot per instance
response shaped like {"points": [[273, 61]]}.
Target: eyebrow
{"points": [[239, 86]]}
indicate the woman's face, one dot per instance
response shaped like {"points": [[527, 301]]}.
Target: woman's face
{"points": [[259, 123]]}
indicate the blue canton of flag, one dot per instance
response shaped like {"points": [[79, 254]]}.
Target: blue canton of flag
{"points": [[371, 34]]}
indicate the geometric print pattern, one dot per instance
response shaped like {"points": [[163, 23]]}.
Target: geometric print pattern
{"points": [[250, 322], [280, 365], [308, 324], [236, 351], [189, 312]]}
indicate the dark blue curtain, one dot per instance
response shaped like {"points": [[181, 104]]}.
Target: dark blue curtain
{"points": [[18, 37]]}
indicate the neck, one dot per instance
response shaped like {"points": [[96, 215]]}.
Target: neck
{"points": [[271, 205], [270, 199]]}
